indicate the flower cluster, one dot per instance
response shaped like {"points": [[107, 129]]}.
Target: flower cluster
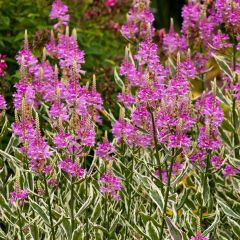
{"points": [[73, 110], [60, 12], [3, 64], [139, 21], [110, 185], [18, 196], [3, 105], [72, 168]]}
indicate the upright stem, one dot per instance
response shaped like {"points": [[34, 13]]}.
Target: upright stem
{"points": [[86, 195], [156, 147], [166, 197], [106, 217], [204, 184], [72, 199], [49, 208], [20, 225], [236, 140], [129, 195], [72, 204]]}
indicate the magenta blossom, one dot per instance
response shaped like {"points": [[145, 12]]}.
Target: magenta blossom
{"points": [[72, 168], [110, 185], [199, 237], [230, 171], [60, 12], [217, 161], [3, 64], [18, 196], [110, 3], [3, 105], [105, 150]]}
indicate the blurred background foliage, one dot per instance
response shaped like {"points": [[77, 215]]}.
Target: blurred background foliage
{"points": [[98, 35]]}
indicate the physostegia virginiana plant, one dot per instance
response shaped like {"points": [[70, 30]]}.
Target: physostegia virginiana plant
{"points": [[169, 168]]}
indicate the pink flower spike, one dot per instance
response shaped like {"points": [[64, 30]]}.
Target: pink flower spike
{"points": [[110, 185]]}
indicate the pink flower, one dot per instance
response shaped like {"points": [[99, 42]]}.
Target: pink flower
{"points": [[110, 3], [199, 237], [38, 152], [30, 61], [18, 195], [62, 140], [209, 139], [230, 171], [105, 150], [59, 11], [52, 182], [23, 90], [217, 161], [68, 52], [110, 185], [3, 105], [58, 111], [3, 64], [72, 168]]}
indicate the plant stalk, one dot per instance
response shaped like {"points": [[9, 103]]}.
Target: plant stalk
{"points": [[156, 148], [49, 208], [20, 225], [234, 117], [72, 205], [166, 197]]}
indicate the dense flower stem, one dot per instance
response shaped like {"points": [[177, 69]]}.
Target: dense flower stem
{"points": [[156, 147], [49, 208], [20, 225], [166, 197]]}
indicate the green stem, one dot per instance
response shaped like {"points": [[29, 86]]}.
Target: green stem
{"points": [[86, 195], [156, 148], [166, 197], [20, 225], [49, 208], [129, 196], [234, 117], [204, 184], [72, 205], [106, 217]]}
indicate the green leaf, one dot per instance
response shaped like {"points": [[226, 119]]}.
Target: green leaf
{"points": [[66, 228], [4, 128], [87, 203], [214, 224], [137, 229], [225, 137], [156, 197], [96, 211], [227, 210], [118, 80], [223, 65], [115, 222], [181, 175], [152, 231], [173, 230], [235, 226], [40, 211], [227, 125], [183, 199], [206, 192]]}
